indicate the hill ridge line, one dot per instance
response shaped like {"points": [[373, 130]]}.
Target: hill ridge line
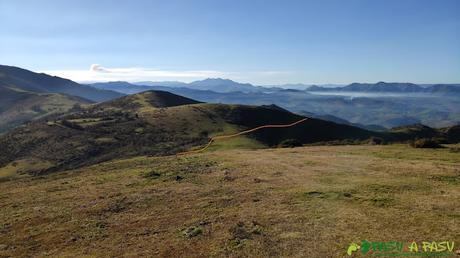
{"points": [[241, 133]]}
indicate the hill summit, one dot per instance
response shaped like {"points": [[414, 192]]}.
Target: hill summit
{"points": [[154, 123]]}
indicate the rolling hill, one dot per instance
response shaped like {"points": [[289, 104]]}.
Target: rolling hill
{"points": [[146, 100], [154, 123], [18, 107]]}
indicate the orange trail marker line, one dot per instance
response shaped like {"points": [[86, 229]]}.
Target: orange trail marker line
{"points": [[240, 133]]}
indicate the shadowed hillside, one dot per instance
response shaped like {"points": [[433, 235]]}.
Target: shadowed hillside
{"points": [[26, 80], [18, 107], [25, 96]]}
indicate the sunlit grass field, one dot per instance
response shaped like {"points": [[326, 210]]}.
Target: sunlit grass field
{"points": [[293, 202]]}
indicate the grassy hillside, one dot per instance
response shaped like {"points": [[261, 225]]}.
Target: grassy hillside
{"points": [[25, 80], [148, 100], [26, 96], [18, 107], [301, 202], [141, 125]]}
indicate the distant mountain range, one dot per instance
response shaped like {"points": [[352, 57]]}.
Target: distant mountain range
{"points": [[385, 87], [162, 83], [227, 86], [124, 87], [213, 84], [221, 85]]}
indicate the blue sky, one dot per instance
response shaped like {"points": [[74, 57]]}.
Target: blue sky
{"points": [[262, 42]]}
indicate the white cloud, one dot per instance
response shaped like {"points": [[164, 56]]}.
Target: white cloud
{"points": [[98, 73], [97, 68]]}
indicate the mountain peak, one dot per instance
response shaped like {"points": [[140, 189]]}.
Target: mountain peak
{"points": [[216, 80], [222, 85]]}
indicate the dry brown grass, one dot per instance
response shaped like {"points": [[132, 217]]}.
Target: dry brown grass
{"points": [[301, 202]]}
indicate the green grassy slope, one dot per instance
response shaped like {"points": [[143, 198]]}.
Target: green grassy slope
{"points": [[147, 100], [18, 107]]}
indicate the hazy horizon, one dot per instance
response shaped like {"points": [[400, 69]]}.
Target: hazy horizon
{"points": [[298, 84]]}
